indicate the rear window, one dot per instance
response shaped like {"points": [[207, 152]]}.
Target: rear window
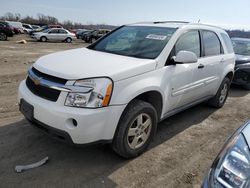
{"points": [[212, 45], [228, 42]]}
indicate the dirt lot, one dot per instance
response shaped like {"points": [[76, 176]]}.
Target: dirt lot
{"points": [[183, 149]]}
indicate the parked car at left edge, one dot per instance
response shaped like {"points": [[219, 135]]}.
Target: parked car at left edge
{"points": [[5, 31], [55, 34], [242, 64], [231, 168], [18, 27]]}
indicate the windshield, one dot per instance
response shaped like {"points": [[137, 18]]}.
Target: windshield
{"points": [[46, 30], [241, 47], [136, 41]]}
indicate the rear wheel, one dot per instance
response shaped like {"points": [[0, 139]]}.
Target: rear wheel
{"points": [[43, 39], [68, 40], [3, 36], [221, 96], [135, 130]]}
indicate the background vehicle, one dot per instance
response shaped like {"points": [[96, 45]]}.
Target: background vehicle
{"points": [[35, 27], [27, 28], [231, 168], [118, 89], [45, 27], [94, 35], [18, 27], [5, 30], [80, 33], [86, 34], [242, 66], [54, 35]]}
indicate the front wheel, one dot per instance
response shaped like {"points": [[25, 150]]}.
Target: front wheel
{"points": [[135, 130], [221, 96], [3, 36], [43, 39]]}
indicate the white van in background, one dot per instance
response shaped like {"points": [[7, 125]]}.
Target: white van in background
{"points": [[17, 26]]}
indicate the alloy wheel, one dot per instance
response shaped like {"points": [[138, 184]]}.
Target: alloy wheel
{"points": [[139, 131]]}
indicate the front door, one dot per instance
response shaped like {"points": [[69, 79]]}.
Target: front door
{"points": [[183, 84]]}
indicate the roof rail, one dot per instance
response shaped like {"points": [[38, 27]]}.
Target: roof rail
{"points": [[159, 22]]}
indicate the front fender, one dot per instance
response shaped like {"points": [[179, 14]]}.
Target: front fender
{"points": [[128, 89]]}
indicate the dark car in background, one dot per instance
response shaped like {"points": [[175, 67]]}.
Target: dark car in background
{"points": [[231, 168], [242, 64], [94, 35], [80, 33], [6, 30]]}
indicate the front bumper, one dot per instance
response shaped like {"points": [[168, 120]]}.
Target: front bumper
{"points": [[93, 125], [242, 75]]}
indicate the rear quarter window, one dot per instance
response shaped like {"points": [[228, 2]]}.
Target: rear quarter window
{"points": [[228, 43]]}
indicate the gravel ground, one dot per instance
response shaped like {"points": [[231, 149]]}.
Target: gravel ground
{"points": [[182, 151]]}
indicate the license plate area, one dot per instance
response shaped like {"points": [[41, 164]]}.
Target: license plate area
{"points": [[26, 109]]}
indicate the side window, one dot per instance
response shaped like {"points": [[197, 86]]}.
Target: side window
{"points": [[212, 45], [189, 41], [228, 43], [61, 31], [53, 31]]}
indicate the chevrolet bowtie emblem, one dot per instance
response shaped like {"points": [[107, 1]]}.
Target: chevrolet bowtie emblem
{"points": [[36, 81]]}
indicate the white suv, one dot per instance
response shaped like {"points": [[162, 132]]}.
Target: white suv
{"points": [[119, 88]]}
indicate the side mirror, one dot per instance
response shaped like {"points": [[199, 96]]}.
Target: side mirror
{"points": [[184, 57]]}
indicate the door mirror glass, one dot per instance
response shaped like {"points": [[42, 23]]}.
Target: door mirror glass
{"points": [[184, 57]]}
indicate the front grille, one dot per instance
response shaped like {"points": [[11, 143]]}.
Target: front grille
{"points": [[48, 77], [42, 91]]}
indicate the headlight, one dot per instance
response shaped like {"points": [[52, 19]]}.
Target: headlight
{"points": [[98, 96], [233, 168]]}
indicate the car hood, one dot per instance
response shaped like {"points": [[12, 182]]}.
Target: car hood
{"points": [[87, 63], [242, 59]]}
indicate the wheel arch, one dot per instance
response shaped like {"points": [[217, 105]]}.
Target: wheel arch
{"points": [[153, 97], [230, 75]]}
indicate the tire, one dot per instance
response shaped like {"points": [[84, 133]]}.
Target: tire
{"points": [[246, 87], [43, 39], [221, 96], [141, 119], [3, 36], [68, 40]]}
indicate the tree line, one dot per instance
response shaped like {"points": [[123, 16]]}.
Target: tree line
{"points": [[42, 19]]}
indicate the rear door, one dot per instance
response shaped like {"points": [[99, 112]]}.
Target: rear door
{"points": [[210, 66], [62, 34]]}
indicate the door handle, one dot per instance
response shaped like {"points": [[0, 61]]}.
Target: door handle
{"points": [[201, 66], [222, 60]]}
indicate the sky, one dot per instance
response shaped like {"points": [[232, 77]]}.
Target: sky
{"points": [[224, 13]]}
